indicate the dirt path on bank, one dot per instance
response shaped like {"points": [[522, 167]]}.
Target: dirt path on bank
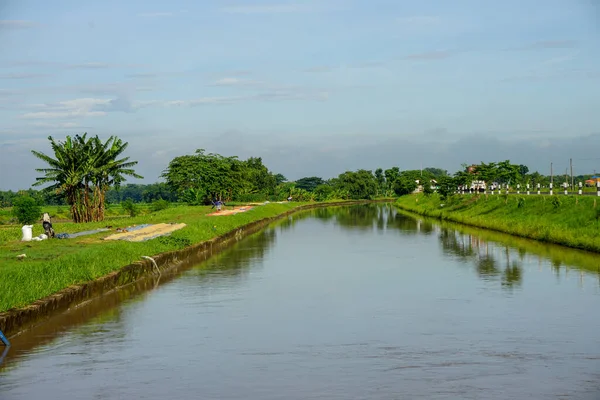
{"points": [[146, 233]]}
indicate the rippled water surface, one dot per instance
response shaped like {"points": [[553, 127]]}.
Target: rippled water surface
{"points": [[344, 303]]}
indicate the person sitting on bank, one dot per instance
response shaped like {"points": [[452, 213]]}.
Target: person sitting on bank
{"points": [[218, 204]]}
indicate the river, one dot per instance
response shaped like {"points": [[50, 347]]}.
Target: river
{"points": [[360, 302]]}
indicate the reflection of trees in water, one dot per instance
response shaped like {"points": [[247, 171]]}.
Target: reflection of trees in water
{"points": [[512, 275], [452, 245], [373, 217], [362, 217], [469, 248], [486, 267], [235, 260]]}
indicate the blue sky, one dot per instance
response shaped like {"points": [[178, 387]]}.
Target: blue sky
{"points": [[314, 87]]}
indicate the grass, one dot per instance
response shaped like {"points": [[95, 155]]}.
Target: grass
{"points": [[567, 220], [61, 213], [559, 255], [52, 265]]}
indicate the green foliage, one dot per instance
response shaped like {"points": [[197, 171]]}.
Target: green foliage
{"points": [[520, 202], [404, 185], [201, 178], [26, 210], [82, 172], [323, 192], [436, 172], [555, 202], [523, 170], [356, 185], [177, 242], [159, 205], [427, 189], [446, 186], [309, 183], [279, 179], [130, 208]]}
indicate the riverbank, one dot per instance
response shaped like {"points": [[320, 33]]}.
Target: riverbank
{"points": [[58, 274], [571, 221]]}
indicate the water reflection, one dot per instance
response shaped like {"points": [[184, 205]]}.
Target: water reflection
{"points": [[494, 258], [490, 266]]}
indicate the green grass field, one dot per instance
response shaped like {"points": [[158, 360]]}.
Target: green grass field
{"points": [[567, 220], [61, 213], [52, 265]]}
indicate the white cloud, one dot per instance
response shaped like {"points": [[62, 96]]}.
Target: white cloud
{"points": [[16, 24], [100, 65], [549, 44], [275, 95], [56, 125], [264, 9], [22, 76], [235, 82], [77, 108]]}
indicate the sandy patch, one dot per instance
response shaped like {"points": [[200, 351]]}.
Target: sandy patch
{"points": [[236, 210], [149, 232]]}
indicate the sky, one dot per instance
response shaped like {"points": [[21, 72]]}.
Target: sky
{"points": [[315, 88]]}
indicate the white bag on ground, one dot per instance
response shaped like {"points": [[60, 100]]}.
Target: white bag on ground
{"points": [[27, 233]]}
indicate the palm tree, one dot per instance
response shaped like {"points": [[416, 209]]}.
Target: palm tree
{"points": [[109, 170], [83, 170]]}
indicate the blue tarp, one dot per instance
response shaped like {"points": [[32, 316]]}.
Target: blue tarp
{"points": [[82, 233]]}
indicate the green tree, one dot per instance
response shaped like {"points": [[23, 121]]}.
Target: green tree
{"points": [[357, 185], [257, 178], [26, 210], [436, 172], [404, 184], [390, 177], [207, 176], [523, 170], [82, 172], [309, 183], [380, 177], [279, 179], [446, 186], [323, 192]]}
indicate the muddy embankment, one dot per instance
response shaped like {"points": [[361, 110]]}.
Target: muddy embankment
{"points": [[143, 273]]}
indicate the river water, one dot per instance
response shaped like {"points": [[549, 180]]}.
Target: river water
{"points": [[356, 302]]}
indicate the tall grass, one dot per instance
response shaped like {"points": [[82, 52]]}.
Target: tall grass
{"points": [[567, 220]]}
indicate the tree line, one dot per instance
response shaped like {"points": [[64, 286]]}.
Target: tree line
{"points": [[86, 173]]}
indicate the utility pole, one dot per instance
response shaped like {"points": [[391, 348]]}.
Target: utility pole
{"points": [[572, 182], [551, 175]]}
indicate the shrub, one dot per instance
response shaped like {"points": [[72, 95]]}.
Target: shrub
{"points": [[130, 207], [323, 192], [159, 205], [26, 209]]}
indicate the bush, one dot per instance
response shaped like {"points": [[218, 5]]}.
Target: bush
{"points": [[427, 190], [130, 207], [323, 192], [26, 209], [159, 205]]}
